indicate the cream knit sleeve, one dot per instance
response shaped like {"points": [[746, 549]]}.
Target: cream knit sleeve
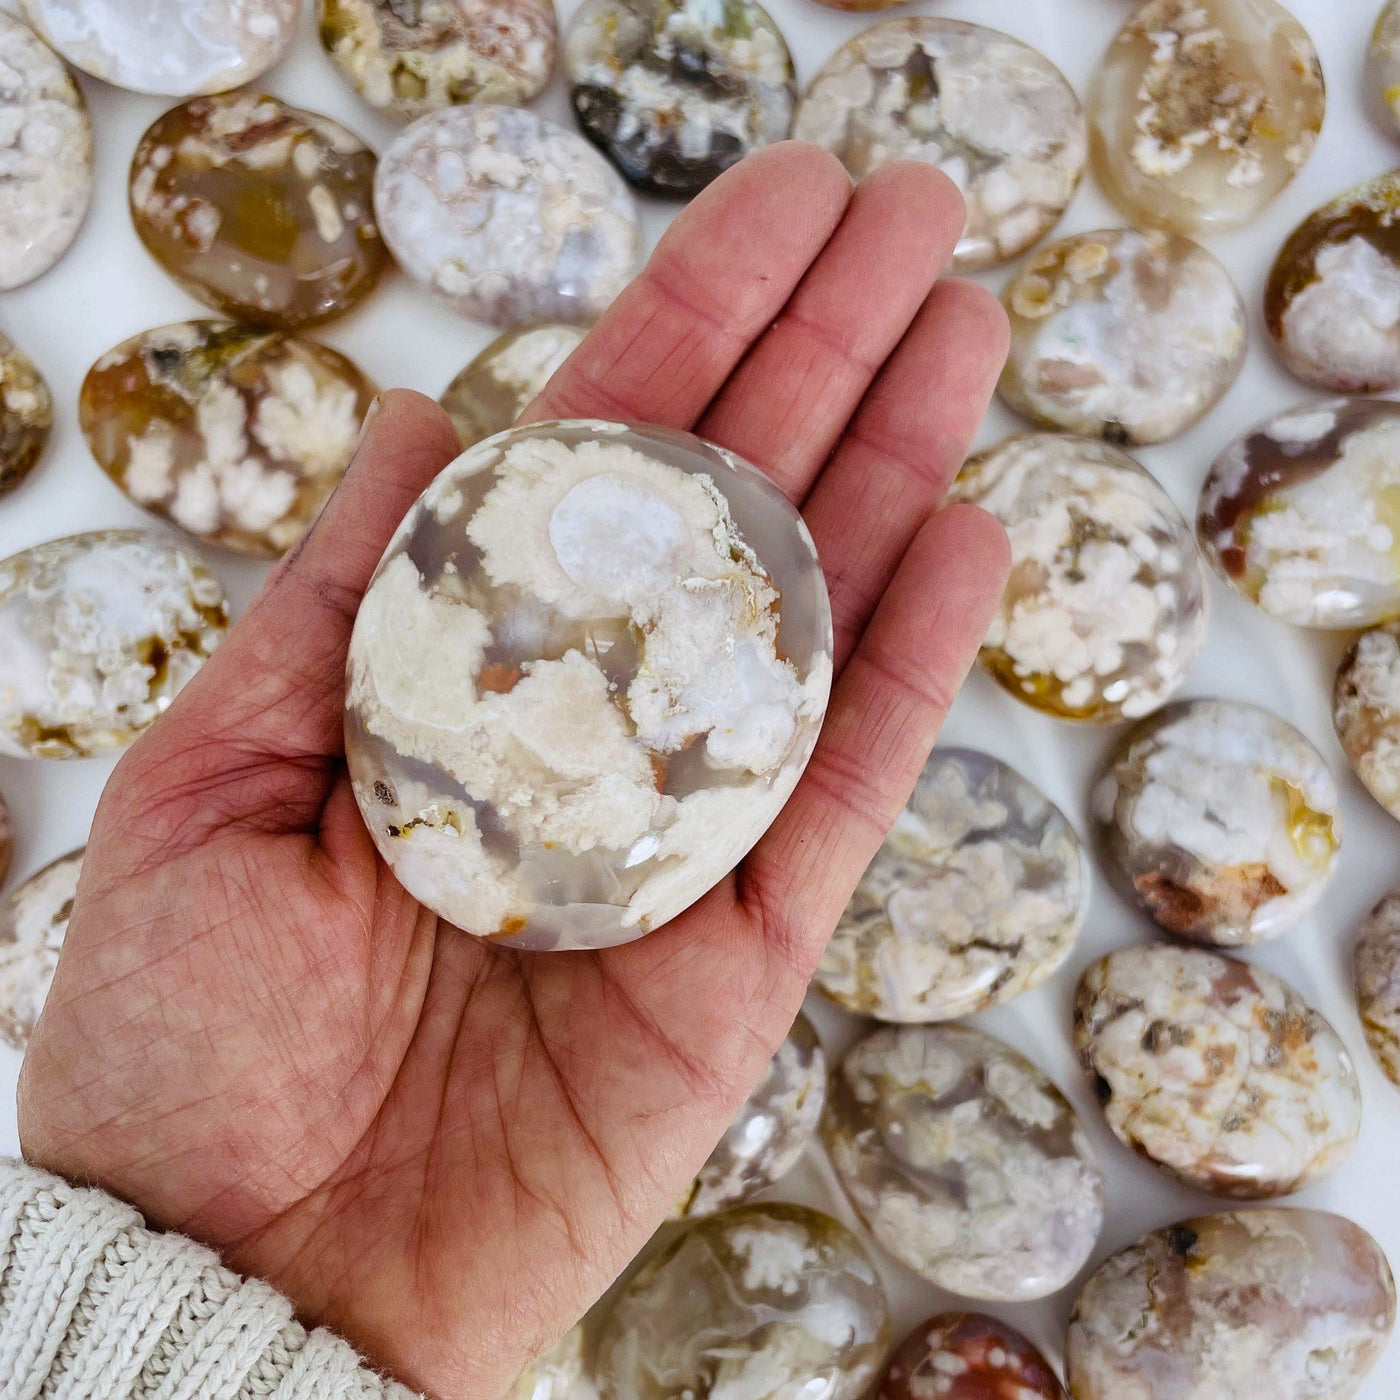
{"points": [[95, 1306]]}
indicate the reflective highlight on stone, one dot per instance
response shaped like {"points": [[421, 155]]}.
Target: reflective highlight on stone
{"points": [[992, 113], [1383, 63], [33, 923], [965, 1161], [1377, 969], [26, 414], [1366, 712], [968, 1356], [585, 678], [559, 1374], [976, 896]]}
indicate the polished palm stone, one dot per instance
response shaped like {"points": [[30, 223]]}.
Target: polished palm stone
{"points": [[496, 387], [235, 434], [558, 1374], [175, 47], [411, 58], [26, 414], [45, 156], [964, 1160], [1105, 609], [1278, 1304], [512, 219], [759, 1302], [98, 632], [33, 923], [586, 676], [258, 209], [1204, 110], [1366, 712], [992, 113], [1220, 819], [976, 896], [674, 92], [1376, 966], [1383, 64], [1127, 336], [968, 1356]]}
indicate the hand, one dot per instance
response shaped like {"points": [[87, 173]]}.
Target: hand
{"points": [[441, 1149]]}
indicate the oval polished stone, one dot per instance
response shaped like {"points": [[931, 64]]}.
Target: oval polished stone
{"points": [[586, 676], [976, 896], [762, 1300], [495, 388], [993, 114], [1383, 65], [1204, 110], [968, 1356], [965, 1161], [558, 1374], [1218, 1071], [1366, 712], [1104, 612], [411, 59], [98, 632], [237, 435], [1127, 336], [258, 209], [26, 414], [45, 156], [1283, 1304], [1301, 515], [33, 924], [1377, 970], [1220, 819]]}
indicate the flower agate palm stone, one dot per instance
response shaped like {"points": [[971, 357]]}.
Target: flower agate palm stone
{"points": [[98, 633], [965, 1161], [993, 114], [586, 676], [1376, 965], [258, 209], [558, 1374], [756, 1303], [1366, 712], [1204, 110], [1383, 65], [1283, 1304], [26, 414], [33, 924], [968, 1356], [237, 435], [976, 896], [1104, 611]]}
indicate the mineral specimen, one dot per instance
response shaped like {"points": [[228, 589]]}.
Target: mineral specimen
{"points": [[968, 1356], [258, 209], [1377, 968], [26, 414], [33, 922], [759, 1301], [989, 111], [1221, 820], [237, 435], [1366, 712], [1384, 64], [964, 1160], [1127, 336], [98, 632], [976, 896], [559, 1374], [585, 678], [1105, 609]]}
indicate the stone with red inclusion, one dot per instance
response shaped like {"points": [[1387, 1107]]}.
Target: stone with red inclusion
{"points": [[968, 1356]]}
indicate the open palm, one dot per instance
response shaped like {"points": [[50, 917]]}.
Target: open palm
{"points": [[443, 1149]]}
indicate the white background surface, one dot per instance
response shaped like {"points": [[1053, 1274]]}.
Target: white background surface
{"points": [[107, 288]]}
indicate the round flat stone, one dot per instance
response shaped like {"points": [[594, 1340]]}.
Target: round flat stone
{"points": [[992, 113], [1383, 65], [559, 1374], [1105, 609], [976, 896], [174, 47], [258, 209], [1203, 111], [586, 676], [411, 59], [511, 218], [33, 923], [1377, 970], [1220, 819], [965, 1161], [1127, 336], [45, 156], [968, 1356], [1288, 1304], [1366, 712], [26, 414]]}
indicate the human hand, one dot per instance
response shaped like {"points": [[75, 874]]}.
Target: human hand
{"points": [[442, 1149]]}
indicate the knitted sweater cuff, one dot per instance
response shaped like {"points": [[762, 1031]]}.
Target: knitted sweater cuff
{"points": [[95, 1306]]}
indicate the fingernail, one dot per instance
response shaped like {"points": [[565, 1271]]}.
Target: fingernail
{"points": [[367, 420]]}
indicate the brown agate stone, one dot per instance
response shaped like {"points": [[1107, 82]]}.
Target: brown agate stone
{"points": [[26, 414], [968, 1356]]}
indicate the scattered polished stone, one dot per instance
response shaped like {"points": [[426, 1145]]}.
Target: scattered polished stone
{"points": [[511, 218], [1105, 609], [1204, 110], [1283, 1304], [1366, 712], [993, 114], [98, 632], [235, 434], [1377, 968], [674, 92], [1127, 336], [759, 1302], [976, 896], [26, 414], [33, 922], [411, 59], [568, 711], [968, 1356], [45, 156], [495, 388], [558, 1374], [174, 47], [258, 209], [1383, 63], [965, 1161]]}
